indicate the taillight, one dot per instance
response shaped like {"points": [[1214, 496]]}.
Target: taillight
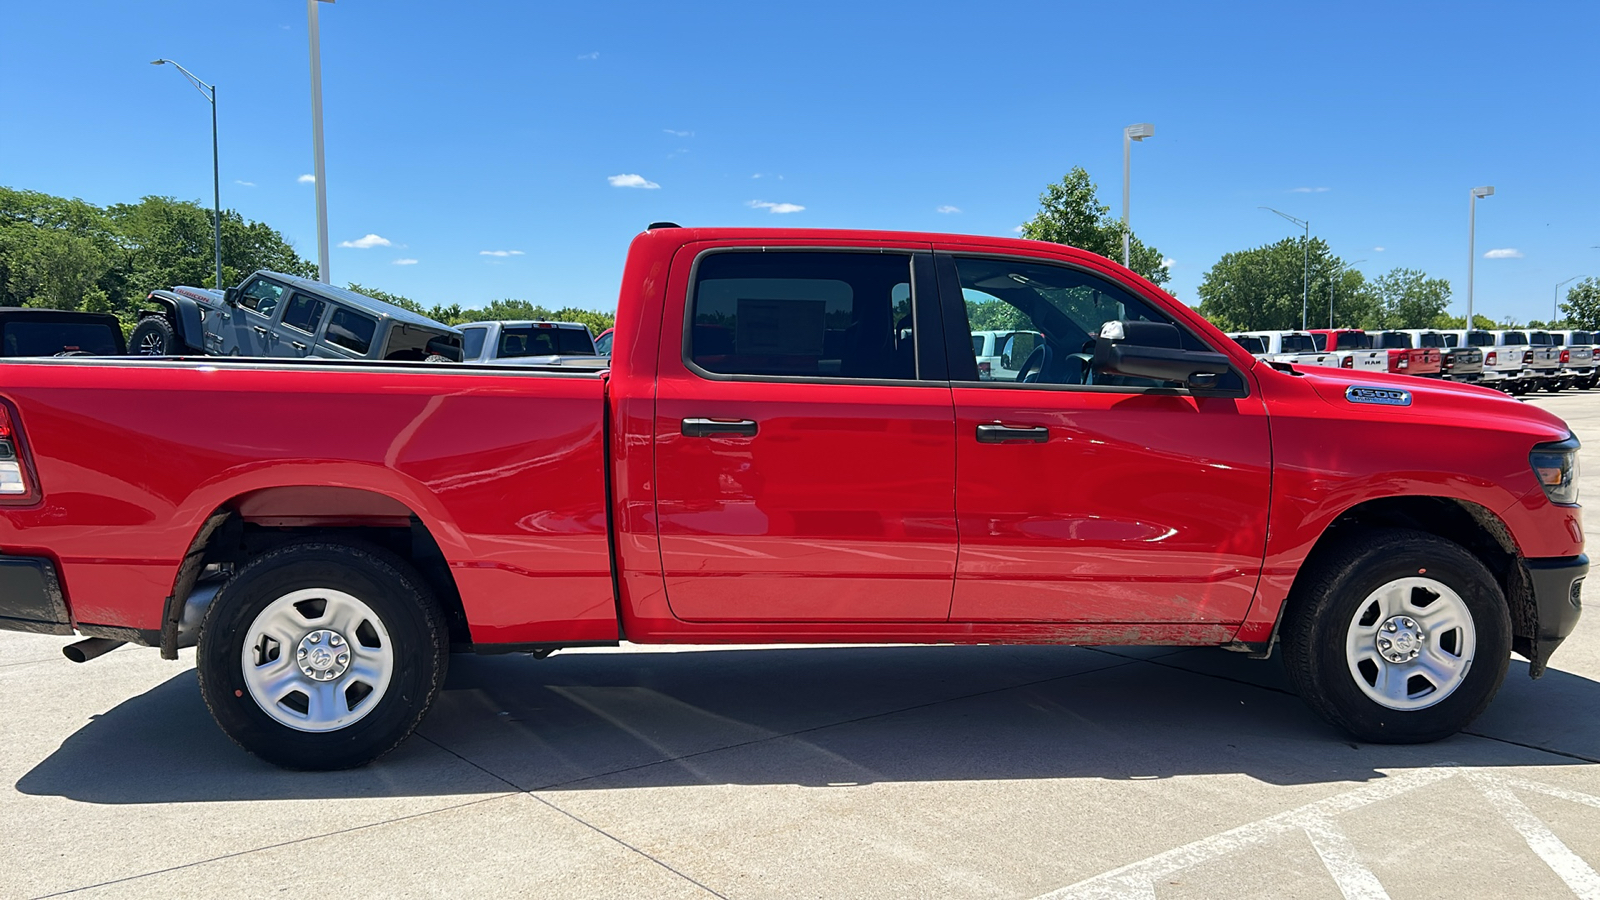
{"points": [[1349, 362], [1566, 356], [1403, 363], [14, 481], [984, 369], [1490, 357], [1527, 357]]}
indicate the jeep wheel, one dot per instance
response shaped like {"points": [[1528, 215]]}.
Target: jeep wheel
{"points": [[1397, 636], [322, 655], [153, 336]]}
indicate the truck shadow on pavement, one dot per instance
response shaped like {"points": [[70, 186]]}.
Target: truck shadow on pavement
{"points": [[817, 717]]}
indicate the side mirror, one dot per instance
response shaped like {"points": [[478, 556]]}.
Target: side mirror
{"points": [[1155, 350], [230, 296]]}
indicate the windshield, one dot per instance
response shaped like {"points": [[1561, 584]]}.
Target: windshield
{"points": [[534, 340]]}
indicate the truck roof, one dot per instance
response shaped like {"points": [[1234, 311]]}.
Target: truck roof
{"points": [[362, 302]]}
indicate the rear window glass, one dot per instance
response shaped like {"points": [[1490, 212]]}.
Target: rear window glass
{"points": [[1480, 339], [1299, 343], [531, 340], [1320, 340], [1582, 337], [51, 338], [1390, 340], [351, 330], [1516, 337], [1355, 342], [1542, 339], [1251, 344], [1430, 339], [1451, 340], [977, 345]]}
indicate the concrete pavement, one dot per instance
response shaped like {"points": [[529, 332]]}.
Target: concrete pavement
{"points": [[1013, 772]]}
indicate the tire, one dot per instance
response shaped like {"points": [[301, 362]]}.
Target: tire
{"points": [[1555, 387], [270, 663], [1338, 644], [153, 336]]}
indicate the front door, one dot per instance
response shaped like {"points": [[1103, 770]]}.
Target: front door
{"points": [[252, 320], [805, 460], [1095, 499]]}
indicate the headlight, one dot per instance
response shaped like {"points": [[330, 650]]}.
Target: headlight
{"points": [[1556, 466]]}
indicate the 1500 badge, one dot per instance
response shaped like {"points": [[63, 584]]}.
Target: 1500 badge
{"points": [[1377, 396]]}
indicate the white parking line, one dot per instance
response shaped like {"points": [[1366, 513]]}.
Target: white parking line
{"points": [[1136, 881]]}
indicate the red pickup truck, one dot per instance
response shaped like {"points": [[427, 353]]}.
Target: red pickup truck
{"points": [[793, 444], [1405, 359]]}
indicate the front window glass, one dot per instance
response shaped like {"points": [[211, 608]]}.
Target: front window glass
{"points": [[602, 344], [351, 330], [817, 314], [304, 313], [261, 296]]}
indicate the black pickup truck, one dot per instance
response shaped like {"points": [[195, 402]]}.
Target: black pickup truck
{"points": [[25, 331]]}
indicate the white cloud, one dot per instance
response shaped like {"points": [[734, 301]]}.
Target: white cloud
{"points": [[776, 207], [632, 181], [367, 243], [594, 55], [1017, 230], [244, 183], [500, 253], [678, 133], [1377, 249], [948, 209], [307, 179], [1168, 262], [1309, 190], [404, 262], [1503, 253]]}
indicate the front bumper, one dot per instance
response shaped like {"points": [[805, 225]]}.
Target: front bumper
{"points": [[31, 598], [1557, 593]]}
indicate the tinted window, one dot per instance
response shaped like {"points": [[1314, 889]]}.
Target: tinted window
{"points": [[472, 341], [1580, 338], [351, 330], [1541, 339], [1480, 339], [50, 338], [1450, 340], [977, 344], [531, 340], [1430, 339], [1298, 343], [819, 314], [1252, 344], [1355, 341], [1320, 341], [1515, 337], [262, 296], [304, 313], [602, 344], [1390, 340], [1060, 310]]}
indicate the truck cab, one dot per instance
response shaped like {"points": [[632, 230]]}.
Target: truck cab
{"points": [[531, 343], [1352, 347], [1407, 357]]}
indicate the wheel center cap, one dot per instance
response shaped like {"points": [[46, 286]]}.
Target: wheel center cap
{"points": [[1400, 639], [323, 655]]}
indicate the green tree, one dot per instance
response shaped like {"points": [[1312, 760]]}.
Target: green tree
{"points": [[1070, 213], [1445, 321], [1408, 298], [1582, 306], [55, 252], [169, 242], [1266, 288]]}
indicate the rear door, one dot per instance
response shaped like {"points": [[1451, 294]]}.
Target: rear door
{"points": [[805, 462], [297, 329], [1085, 499]]}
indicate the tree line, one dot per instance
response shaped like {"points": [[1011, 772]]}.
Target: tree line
{"points": [[69, 254]]}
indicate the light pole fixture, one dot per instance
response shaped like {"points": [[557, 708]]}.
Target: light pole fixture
{"points": [[1129, 135], [319, 169], [1555, 297], [1472, 239], [1305, 292], [209, 91], [1340, 271]]}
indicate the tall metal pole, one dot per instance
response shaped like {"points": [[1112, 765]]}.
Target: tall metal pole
{"points": [[1472, 253], [216, 193], [1127, 162], [320, 169], [1305, 286]]}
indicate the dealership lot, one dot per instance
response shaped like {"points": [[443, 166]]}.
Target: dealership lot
{"points": [[813, 771]]}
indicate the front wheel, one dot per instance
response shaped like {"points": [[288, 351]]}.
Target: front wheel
{"points": [[321, 655], [153, 336], [1397, 636]]}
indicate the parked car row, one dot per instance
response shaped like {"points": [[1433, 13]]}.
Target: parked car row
{"points": [[1513, 360]]}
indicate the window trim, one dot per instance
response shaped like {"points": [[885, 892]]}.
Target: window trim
{"points": [[955, 312], [914, 274]]}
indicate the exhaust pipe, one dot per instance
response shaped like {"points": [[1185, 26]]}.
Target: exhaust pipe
{"points": [[90, 648]]}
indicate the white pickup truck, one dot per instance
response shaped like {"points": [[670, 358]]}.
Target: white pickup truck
{"points": [[530, 344], [1579, 363], [1294, 347]]}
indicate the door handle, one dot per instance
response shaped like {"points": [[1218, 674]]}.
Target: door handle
{"points": [[1012, 434], [719, 428], [297, 345], [259, 330]]}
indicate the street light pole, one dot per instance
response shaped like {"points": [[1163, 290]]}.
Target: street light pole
{"points": [[209, 91], [1305, 291], [1472, 239], [1341, 270], [319, 169], [1129, 135], [1555, 297]]}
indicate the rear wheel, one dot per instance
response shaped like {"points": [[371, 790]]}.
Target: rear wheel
{"points": [[1397, 637], [322, 655], [153, 336]]}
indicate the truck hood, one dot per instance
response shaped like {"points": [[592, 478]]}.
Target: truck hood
{"points": [[1430, 398]]}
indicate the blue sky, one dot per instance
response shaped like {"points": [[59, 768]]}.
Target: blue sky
{"points": [[460, 128]]}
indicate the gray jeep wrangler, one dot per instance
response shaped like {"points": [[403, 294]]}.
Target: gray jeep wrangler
{"points": [[276, 315]]}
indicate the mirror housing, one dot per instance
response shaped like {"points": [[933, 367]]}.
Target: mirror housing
{"points": [[230, 296], [1155, 350]]}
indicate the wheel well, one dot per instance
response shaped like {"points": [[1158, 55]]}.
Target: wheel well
{"points": [[1471, 526], [251, 524]]}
